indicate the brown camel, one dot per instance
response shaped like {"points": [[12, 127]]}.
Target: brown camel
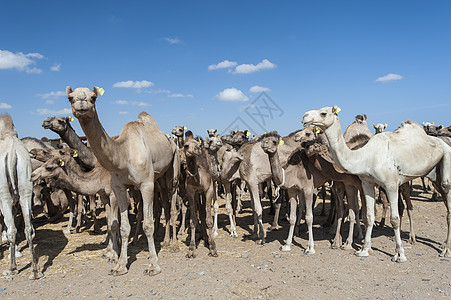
{"points": [[200, 192], [386, 160], [16, 186], [140, 156]]}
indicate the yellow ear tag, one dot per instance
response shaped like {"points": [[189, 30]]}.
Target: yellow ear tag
{"points": [[317, 130], [75, 154], [71, 119], [433, 123], [281, 142], [61, 163], [199, 140], [385, 125], [184, 128], [337, 109], [101, 90], [441, 127], [248, 134]]}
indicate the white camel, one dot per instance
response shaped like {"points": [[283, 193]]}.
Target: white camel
{"points": [[387, 160]]}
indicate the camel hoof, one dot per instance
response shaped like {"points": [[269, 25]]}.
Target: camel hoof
{"points": [[260, 242], [35, 275], [446, 253], [398, 258], [309, 251], [362, 253], [151, 272], [10, 272], [412, 241], [213, 254], [347, 246], [234, 234], [214, 234], [285, 248], [77, 229], [67, 231], [191, 254], [18, 254]]}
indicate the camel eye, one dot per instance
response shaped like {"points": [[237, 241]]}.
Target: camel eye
{"points": [[323, 114], [307, 134], [70, 98]]}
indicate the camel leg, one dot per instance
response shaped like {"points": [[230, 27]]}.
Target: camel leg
{"points": [[259, 232], [292, 194], [92, 208], [229, 209], [339, 195], [7, 210], [385, 207], [209, 197], [216, 211], [323, 195], [183, 209], [79, 212], [111, 212], [351, 195], [136, 195], [308, 196], [167, 214], [193, 221], [392, 195], [447, 246], [368, 190], [72, 206]]}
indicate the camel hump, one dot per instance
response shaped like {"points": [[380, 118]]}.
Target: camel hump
{"points": [[7, 126], [147, 119]]}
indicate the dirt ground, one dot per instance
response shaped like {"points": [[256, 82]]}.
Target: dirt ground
{"points": [[74, 269]]}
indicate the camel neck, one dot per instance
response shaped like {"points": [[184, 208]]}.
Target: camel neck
{"points": [[73, 140], [276, 168], [347, 159], [103, 146]]}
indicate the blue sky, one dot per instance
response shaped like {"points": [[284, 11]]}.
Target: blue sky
{"points": [[203, 64]]}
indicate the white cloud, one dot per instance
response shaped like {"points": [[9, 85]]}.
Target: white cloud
{"points": [[389, 77], [48, 101], [52, 95], [173, 41], [232, 94], [123, 112], [134, 84], [19, 61], [179, 95], [250, 68], [223, 65], [55, 67], [4, 105], [258, 89], [51, 112], [138, 103], [121, 102]]}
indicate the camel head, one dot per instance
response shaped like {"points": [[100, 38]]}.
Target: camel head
{"points": [[178, 131], [51, 168], [431, 128], [192, 147], [270, 142], [46, 154], [379, 127], [211, 132], [444, 131], [311, 140], [240, 137], [322, 118], [83, 102], [213, 143], [57, 124]]}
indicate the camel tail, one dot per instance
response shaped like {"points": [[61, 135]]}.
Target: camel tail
{"points": [[10, 164]]}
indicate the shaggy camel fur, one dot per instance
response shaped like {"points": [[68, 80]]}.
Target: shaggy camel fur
{"points": [[67, 174], [386, 160], [16, 186], [200, 192], [140, 156]]}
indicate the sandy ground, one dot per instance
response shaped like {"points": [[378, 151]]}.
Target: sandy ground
{"points": [[74, 269]]}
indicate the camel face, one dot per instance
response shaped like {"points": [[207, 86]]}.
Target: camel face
{"points": [[240, 137], [48, 170], [82, 101], [270, 142], [322, 118], [213, 143], [192, 148], [46, 154], [431, 128], [444, 131], [178, 131], [379, 127], [310, 140], [211, 132], [56, 124]]}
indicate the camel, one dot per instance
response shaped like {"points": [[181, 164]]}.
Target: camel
{"points": [[211, 132], [444, 131], [386, 160], [178, 131], [16, 186], [199, 180], [140, 156], [379, 127]]}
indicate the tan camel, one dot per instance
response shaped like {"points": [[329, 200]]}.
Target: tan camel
{"points": [[140, 156], [200, 192], [67, 174], [16, 186], [386, 160]]}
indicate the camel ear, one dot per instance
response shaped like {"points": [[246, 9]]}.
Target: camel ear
{"points": [[61, 162], [385, 125], [68, 90], [216, 130], [336, 109], [374, 126], [69, 119]]}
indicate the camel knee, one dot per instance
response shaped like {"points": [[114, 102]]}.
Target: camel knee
{"points": [[309, 219], [394, 220], [148, 227]]}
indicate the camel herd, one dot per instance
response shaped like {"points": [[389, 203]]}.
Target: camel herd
{"points": [[182, 175]]}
